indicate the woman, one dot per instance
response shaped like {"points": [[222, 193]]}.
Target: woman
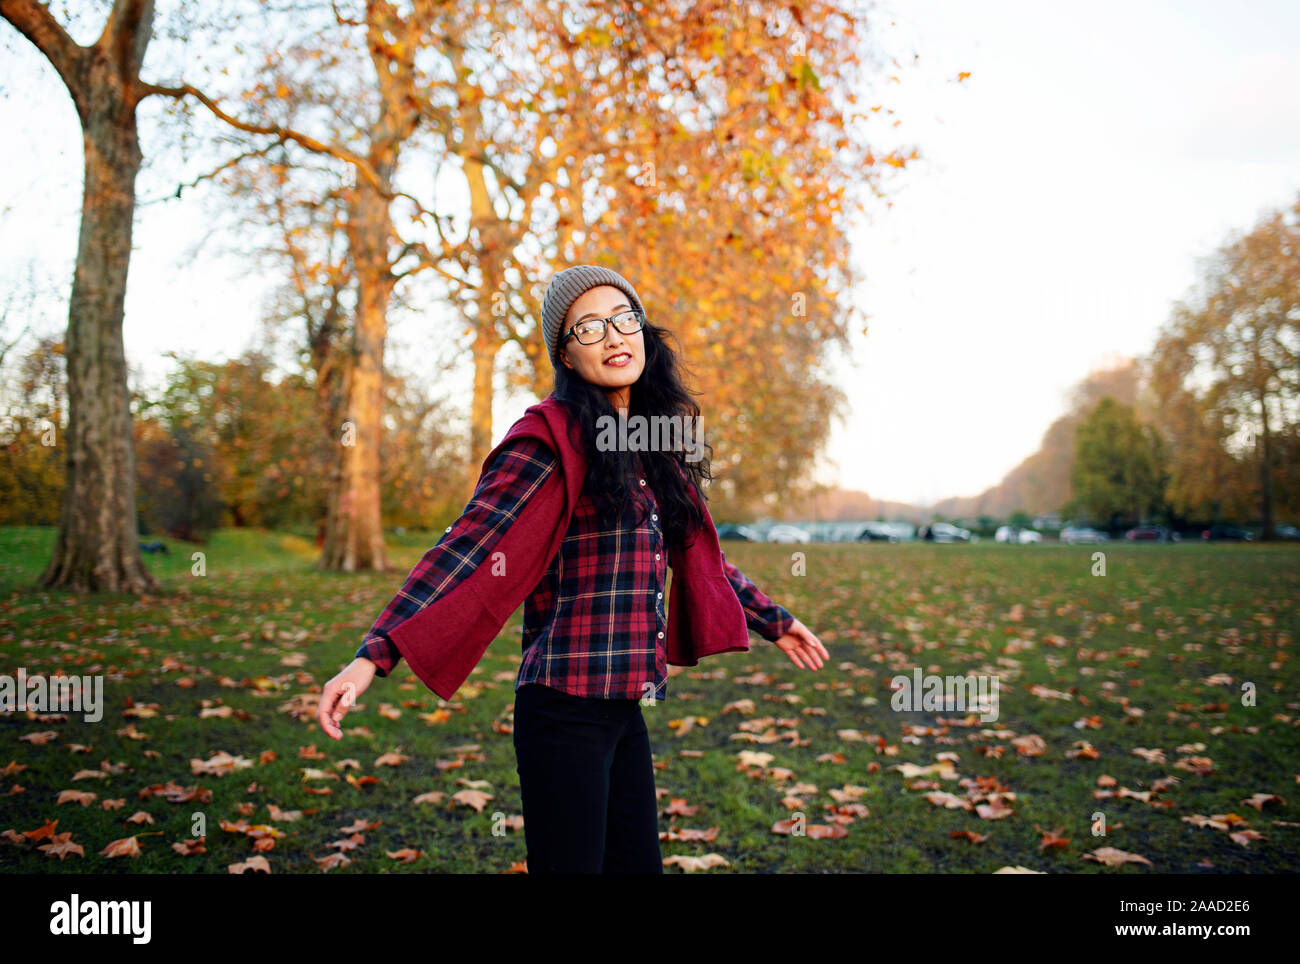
{"points": [[582, 532]]}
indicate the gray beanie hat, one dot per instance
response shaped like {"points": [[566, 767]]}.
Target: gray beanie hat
{"points": [[567, 287]]}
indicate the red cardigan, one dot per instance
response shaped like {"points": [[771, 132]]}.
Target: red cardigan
{"points": [[445, 641]]}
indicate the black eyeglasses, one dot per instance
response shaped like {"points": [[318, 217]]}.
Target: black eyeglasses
{"points": [[589, 331]]}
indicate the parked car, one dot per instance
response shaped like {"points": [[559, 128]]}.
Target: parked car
{"points": [[1016, 534], [1151, 534], [731, 530], [943, 532], [874, 533], [1082, 535], [787, 533], [1225, 533], [1286, 532]]}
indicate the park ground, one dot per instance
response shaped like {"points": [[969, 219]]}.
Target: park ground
{"points": [[1120, 704]]}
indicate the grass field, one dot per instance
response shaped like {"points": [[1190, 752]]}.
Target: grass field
{"points": [[1150, 656]]}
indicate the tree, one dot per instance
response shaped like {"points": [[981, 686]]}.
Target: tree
{"points": [[549, 125], [1118, 465], [97, 546], [248, 436], [731, 152], [1228, 367], [178, 495], [378, 116], [35, 399], [1207, 481]]}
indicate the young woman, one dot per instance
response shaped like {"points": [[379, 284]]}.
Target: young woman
{"points": [[585, 532]]}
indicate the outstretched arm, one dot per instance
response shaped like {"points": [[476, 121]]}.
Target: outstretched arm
{"points": [[762, 615], [773, 622]]}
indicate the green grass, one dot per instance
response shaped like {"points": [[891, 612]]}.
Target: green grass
{"points": [[1151, 631]]}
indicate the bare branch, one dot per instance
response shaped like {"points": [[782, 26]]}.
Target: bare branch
{"points": [[427, 262], [6, 348], [259, 152], [306, 141]]}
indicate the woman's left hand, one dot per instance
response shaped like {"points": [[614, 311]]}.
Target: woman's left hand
{"points": [[802, 646]]}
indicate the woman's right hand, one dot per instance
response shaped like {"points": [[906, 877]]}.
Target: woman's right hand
{"points": [[341, 693]]}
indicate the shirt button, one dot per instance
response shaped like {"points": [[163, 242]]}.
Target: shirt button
{"points": [[656, 557], [448, 529], [653, 517], [643, 481], [661, 635], [659, 596]]}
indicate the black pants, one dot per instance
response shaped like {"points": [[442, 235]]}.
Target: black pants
{"points": [[587, 783]]}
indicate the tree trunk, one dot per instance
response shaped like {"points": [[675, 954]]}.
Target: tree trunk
{"points": [[98, 546], [486, 346], [355, 536], [1266, 470], [493, 245]]}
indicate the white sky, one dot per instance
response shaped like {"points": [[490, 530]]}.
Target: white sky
{"points": [[1066, 189]]}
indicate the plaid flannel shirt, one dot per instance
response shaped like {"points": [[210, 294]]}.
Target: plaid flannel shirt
{"points": [[594, 625]]}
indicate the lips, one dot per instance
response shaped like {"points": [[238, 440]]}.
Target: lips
{"points": [[619, 359]]}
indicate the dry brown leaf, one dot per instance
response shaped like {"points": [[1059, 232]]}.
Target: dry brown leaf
{"points": [[682, 833], [219, 764], [995, 809], [692, 864], [1112, 857], [332, 861], [1257, 800], [1151, 755], [1244, 837], [60, 846], [1052, 839], [190, 847], [471, 798], [42, 832], [254, 864], [818, 831], [308, 773], [1031, 745], [126, 847], [406, 855], [942, 798], [39, 739]]}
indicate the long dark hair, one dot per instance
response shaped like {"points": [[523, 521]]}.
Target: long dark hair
{"points": [[612, 473]]}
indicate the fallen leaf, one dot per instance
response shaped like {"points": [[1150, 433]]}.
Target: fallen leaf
{"points": [[251, 864], [1112, 857], [691, 864], [126, 847]]}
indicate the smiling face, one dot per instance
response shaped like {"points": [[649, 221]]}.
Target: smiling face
{"points": [[590, 361]]}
